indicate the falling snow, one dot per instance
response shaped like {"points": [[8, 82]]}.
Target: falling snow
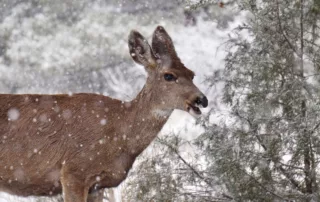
{"points": [[103, 121], [13, 114]]}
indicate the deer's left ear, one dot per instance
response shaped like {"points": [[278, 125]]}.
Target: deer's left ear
{"points": [[162, 44], [141, 51]]}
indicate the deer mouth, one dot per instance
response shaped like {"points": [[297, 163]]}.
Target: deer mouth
{"points": [[193, 109]]}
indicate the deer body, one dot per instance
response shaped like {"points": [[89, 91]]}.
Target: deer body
{"points": [[77, 144], [53, 136]]}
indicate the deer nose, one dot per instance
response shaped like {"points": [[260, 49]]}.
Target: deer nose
{"points": [[202, 100]]}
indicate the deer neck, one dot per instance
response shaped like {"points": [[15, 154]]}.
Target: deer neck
{"points": [[147, 120]]}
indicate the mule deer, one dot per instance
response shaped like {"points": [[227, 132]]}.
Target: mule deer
{"points": [[78, 144]]}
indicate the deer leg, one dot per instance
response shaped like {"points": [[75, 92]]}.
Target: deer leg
{"points": [[73, 189], [96, 196]]}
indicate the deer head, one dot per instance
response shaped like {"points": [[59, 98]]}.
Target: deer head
{"points": [[169, 83]]}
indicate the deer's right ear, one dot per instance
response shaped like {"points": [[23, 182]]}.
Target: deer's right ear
{"points": [[140, 50]]}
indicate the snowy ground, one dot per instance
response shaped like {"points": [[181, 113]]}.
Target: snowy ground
{"points": [[200, 48]]}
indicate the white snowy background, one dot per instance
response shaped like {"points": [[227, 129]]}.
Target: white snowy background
{"points": [[68, 47]]}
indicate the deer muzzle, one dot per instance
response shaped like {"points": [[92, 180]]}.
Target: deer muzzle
{"points": [[193, 107], [202, 100]]}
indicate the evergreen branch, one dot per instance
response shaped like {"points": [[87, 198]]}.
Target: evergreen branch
{"points": [[282, 30], [197, 173], [262, 186]]}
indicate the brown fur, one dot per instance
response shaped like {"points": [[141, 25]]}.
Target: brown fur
{"points": [[85, 142]]}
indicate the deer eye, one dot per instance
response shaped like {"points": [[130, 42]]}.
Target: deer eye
{"points": [[169, 77]]}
